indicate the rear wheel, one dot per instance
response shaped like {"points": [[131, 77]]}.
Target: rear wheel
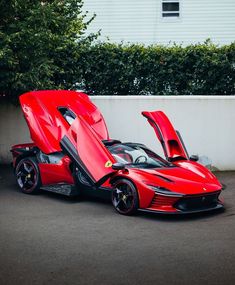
{"points": [[125, 197], [28, 175]]}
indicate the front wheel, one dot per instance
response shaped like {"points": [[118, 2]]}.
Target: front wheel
{"points": [[28, 175], [125, 197]]}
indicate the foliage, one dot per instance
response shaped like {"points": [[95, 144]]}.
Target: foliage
{"points": [[43, 46], [39, 44], [202, 69]]}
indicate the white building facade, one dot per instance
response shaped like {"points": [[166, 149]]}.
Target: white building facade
{"points": [[163, 21]]}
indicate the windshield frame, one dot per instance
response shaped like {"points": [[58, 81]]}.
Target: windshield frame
{"points": [[159, 162]]}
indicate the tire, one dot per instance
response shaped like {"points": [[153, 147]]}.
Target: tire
{"points": [[28, 175], [125, 197]]}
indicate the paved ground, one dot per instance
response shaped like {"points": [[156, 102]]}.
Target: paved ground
{"points": [[50, 239]]}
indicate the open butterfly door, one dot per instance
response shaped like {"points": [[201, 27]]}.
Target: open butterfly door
{"points": [[46, 121], [170, 139], [84, 147]]}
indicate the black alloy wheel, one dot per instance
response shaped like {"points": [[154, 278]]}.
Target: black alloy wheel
{"points": [[125, 197], [28, 176]]}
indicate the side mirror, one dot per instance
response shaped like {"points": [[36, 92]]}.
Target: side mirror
{"points": [[118, 166], [194, 157]]}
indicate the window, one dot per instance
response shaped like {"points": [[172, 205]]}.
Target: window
{"points": [[68, 115], [170, 8], [136, 155]]}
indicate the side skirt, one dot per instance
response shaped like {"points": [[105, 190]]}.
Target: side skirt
{"points": [[63, 189], [73, 191], [101, 192]]}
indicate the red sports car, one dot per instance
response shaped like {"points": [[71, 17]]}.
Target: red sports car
{"points": [[72, 153]]}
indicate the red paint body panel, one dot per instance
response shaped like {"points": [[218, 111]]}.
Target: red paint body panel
{"points": [[199, 170], [23, 145], [163, 204], [47, 125], [56, 173], [183, 181], [15, 150], [167, 135], [94, 155]]}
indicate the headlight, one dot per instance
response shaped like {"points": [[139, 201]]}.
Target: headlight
{"points": [[164, 191]]}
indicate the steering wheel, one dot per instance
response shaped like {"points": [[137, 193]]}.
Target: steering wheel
{"points": [[140, 158]]}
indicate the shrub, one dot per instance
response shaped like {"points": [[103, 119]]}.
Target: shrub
{"points": [[117, 69], [39, 44]]}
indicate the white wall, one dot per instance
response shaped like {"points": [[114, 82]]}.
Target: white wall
{"points": [[128, 20], [13, 130], [206, 124], [139, 21], [200, 20]]}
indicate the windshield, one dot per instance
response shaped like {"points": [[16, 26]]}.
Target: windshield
{"points": [[137, 155]]}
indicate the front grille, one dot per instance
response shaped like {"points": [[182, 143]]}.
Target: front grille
{"points": [[197, 202]]}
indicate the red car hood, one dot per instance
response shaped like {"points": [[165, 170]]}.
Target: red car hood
{"points": [[178, 179]]}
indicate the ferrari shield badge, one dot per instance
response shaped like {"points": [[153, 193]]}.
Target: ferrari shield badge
{"points": [[108, 164]]}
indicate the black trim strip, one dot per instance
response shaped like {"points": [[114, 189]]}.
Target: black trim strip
{"points": [[103, 179], [217, 207], [182, 142], [163, 178]]}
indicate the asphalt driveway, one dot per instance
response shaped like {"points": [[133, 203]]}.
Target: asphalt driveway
{"points": [[50, 239]]}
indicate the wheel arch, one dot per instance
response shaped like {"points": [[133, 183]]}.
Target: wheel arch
{"points": [[145, 194], [116, 178], [22, 156]]}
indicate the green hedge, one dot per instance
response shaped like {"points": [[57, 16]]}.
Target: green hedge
{"points": [[111, 69], [118, 69]]}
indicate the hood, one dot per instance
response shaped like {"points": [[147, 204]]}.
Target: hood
{"points": [[178, 179]]}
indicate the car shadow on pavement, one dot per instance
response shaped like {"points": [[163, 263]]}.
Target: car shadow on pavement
{"points": [[8, 183], [141, 215]]}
